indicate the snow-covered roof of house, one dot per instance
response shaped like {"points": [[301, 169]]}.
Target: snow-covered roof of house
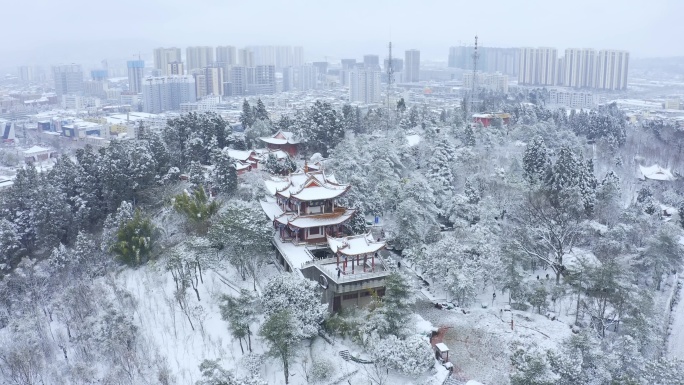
{"points": [[442, 347], [274, 184], [271, 208], [296, 255], [239, 166], [279, 154], [355, 244], [340, 215], [310, 186], [36, 150], [654, 172], [280, 137], [238, 155]]}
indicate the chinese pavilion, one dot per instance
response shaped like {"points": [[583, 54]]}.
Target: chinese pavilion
{"points": [[312, 239]]}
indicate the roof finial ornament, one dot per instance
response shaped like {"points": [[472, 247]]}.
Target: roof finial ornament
{"points": [[306, 167]]}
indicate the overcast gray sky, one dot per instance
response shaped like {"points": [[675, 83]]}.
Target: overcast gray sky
{"points": [[336, 29]]}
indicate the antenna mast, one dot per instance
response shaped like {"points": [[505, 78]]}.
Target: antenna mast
{"points": [[390, 75], [472, 93]]}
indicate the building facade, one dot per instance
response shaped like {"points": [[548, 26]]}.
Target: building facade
{"points": [[68, 79], [226, 54], [135, 75], [364, 86], [198, 57], [166, 93], [538, 66], [412, 64], [613, 68], [164, 56], [572, 98]]}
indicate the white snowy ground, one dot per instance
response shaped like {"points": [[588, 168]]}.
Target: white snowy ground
{"points": [[167, 328]]}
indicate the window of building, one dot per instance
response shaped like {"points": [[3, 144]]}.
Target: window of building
{"points": [[314, 231], [348, 296]]}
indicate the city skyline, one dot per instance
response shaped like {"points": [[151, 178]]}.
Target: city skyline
{"points": [[643, 30]]}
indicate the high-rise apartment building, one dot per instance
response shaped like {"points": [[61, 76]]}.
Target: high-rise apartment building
{"points": [[538, 66], [364, 86], [209, 82], [412, 63], [490, 59], [135, 75], [298, 56], [25, 74], [198, 57], [226, 55], [166, 93], [307, 77], [245, 58], [238, 80], [164, 56], [613, 67], [371, 62], [288, 79], [579, 68], [264, 80], [263, 54], [175, 68], [68, 79]]}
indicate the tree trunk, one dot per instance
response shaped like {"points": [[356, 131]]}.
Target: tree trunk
{"points": [[241, 348], [286, 370], [249, 339]]}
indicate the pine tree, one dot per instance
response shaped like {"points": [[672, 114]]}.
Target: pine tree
{"points": [[196, 177], [135, 240], [247, 118], [260, 112], [535, 160], [469, 136], [198, 209], [224, 174], [239, 312]]}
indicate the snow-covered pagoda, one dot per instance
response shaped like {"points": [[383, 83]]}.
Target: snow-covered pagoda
{"points": [[312, 238], [282, 140]]}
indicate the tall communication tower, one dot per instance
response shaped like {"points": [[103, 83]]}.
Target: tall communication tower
{"points": [[390, 78], [472, 92]]}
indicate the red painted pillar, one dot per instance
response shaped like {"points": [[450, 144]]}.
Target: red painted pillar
{"points": [[373, 263]]}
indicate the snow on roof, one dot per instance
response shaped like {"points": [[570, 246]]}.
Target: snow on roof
{"points": [[442, 347], [413, 140], [339, 216], [36, 150], [237, 154], [355, 245], [654, 172], [318, 193], [473, 382], [295, 255], [271, 208], [239, 166], [309, 186], [280, 137], [279, 154], [274, 184]]}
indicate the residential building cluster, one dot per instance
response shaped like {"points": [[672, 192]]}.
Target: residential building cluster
{"points": [[579, 68]]}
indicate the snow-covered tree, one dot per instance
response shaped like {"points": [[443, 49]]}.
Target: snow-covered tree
{"points": [[298, 296], [535, 160], [239, 312], [244, 234], [281, 335], [411, 356], [198, 208], [135, 240]]}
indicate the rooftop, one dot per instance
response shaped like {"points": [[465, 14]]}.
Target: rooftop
{"points": [[355, 245], [280, 137]]}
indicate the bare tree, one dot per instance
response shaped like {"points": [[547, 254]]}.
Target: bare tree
{"points": [[546, 232]]}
